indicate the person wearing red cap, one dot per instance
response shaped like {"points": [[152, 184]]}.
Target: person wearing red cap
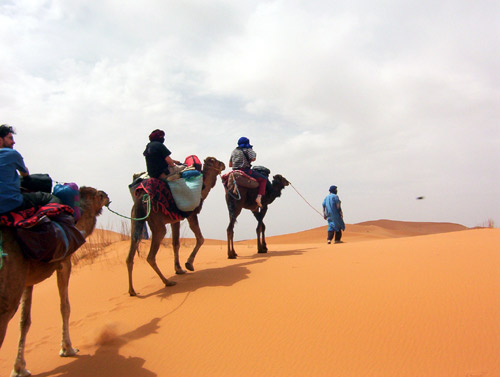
{"points": [[158, 160]]}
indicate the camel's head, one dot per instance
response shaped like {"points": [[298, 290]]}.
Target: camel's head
{"points": [[280, 180], [213, 163], [92, 199]]}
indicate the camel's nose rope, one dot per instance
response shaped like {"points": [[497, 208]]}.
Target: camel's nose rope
{"points": [[322, 215]]}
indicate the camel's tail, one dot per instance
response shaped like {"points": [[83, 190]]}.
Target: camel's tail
{"points": [[140, 231]]}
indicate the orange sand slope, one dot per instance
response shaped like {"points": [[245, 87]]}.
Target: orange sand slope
{"points": [[401, 306]]}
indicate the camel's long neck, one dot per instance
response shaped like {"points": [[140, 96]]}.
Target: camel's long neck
{"points": [[275, 193], [209, 181], [87, 221]]}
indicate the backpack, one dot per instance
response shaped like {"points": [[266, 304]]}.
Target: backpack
{"points": [[37, 182], [69, 194], [193, 160]]}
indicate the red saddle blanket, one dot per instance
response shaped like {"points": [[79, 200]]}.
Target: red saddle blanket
{"points": [[161, 198], [31, 216]]}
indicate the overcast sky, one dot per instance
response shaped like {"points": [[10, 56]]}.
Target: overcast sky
{"points": [[388, 100]]}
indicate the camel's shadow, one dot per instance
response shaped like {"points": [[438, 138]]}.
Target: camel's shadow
{"points": [[107, 355], [107, 361], [217, 277]]}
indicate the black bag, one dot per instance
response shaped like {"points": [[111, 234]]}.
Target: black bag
{"points": [[262, 170], [50, 240], [37, 182]]}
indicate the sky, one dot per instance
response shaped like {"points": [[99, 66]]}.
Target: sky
{"points": [[388, 100]]}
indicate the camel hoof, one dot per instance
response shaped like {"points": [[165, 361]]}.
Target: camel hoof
{"points": [[69, 352], [132, 293], [180, 272], [262, 252], [22, 373], [232, 257], [189, 266], [170, 283]]}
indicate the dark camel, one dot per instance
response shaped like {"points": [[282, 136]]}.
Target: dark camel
{"points": [[247, 201], [19, 275], [157, 222]]}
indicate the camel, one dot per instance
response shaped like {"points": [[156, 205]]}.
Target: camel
{"points": [[157, 222], [19, 275], [247, 201]]}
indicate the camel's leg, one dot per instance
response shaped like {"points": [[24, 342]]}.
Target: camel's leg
{"points": [[63, 275], [20, 364], [231, 253], [11, 291], [261, 230], [176, 246], [158, 232], [136, 232], [195, 227], [234, 208]]}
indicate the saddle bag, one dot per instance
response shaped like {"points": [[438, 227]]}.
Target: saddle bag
{"points": [[262, 170], [187, 192], [50, 240], [69, 194], [37, 182], [244, 180], [194, 161]]}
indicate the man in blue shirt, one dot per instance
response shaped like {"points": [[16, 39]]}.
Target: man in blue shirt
{"points": [[333, 213], [11, 162]]}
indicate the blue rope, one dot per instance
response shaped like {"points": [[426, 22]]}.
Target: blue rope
{"points": [[2, 254]]}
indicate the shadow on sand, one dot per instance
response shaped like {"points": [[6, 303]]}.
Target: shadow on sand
{"points": [[107, 361]]}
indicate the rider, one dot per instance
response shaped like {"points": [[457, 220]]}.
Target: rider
{"points": [[158, 160], [241, 159], [11, 162]]}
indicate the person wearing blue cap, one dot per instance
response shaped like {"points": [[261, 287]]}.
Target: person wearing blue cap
{"points": [[241, 159], [332, 212]]}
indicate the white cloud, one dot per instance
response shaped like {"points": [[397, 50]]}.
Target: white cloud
{"points": [[388, 100]]}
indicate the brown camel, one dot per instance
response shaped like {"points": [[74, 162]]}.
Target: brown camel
{"points": [[19, 274], [247, 200], [157, 222]]}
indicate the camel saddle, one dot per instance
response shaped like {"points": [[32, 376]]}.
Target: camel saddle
{"points": [[236, 178], [47, 233], [161, 197]]}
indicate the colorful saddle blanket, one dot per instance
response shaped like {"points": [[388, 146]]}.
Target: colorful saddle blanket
{"points": [[46, 234], [161, 198], [31, 216]]}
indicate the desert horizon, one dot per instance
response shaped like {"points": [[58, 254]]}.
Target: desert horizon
{"points": [[395, 299]]}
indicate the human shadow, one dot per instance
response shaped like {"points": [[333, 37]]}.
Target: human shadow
{"points": [[107, 361]]}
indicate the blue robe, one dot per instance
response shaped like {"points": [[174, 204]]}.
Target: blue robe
{"points": [[332, 211]]}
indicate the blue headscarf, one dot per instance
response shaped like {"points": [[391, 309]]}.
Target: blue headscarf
{"points": [[243, 142], [333, 189]]}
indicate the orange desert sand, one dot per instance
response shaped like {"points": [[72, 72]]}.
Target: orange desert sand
{"points": [[396, 299]]}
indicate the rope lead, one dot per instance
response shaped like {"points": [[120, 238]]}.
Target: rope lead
{"points": [[322, 216], [145, 199]]}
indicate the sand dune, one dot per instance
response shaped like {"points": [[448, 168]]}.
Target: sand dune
{"points": [[397, 299]]}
